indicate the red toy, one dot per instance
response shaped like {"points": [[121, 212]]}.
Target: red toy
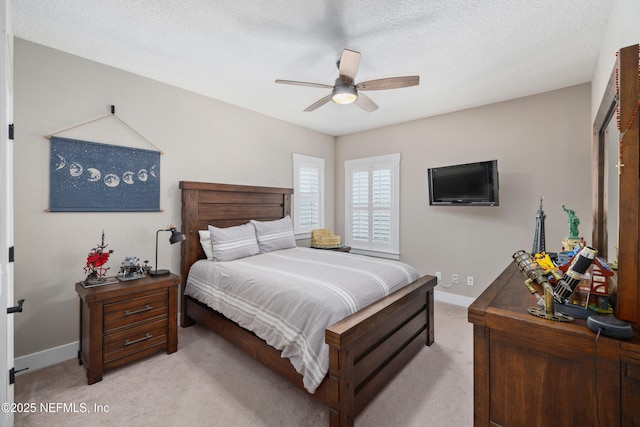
{"points": [[599, 289], [96, 260]]}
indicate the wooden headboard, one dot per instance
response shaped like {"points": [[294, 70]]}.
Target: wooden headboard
{"points": [[225, 205]]}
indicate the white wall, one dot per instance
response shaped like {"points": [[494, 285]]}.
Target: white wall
{"points": [[202, 140], [623, 29], [542, 144]]}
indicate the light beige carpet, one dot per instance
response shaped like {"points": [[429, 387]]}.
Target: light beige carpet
{"points": [[210, 383]]}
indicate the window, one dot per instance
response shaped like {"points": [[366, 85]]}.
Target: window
{"points": [[308, 194], [372, 205]]}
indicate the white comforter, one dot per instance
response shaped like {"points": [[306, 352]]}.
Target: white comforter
{"points": [[289, 297]]}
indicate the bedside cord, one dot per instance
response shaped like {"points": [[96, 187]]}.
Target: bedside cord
{"points": [[595, 376], [444, 285]]}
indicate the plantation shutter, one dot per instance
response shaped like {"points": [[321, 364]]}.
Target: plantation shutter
{"points": [[381, 205], [309, 203], [308, 194], [372, 208], [360, 205]]}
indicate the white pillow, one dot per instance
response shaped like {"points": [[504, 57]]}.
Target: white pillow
{"points": [[205, 241], [233, 242], [275, 235]]}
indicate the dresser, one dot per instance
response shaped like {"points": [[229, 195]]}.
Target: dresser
{"points": [[534, 372], [125, 321]]}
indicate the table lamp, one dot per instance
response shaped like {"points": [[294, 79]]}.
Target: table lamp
{"points": [[176, 237]]}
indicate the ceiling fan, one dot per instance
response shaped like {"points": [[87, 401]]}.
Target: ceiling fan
{"points": [[346, 91]]}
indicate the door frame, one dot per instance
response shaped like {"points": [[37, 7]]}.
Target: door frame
{"points": [[6, 207]]}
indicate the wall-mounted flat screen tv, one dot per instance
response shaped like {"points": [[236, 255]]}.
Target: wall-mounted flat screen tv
{"points": [[469, 184]]}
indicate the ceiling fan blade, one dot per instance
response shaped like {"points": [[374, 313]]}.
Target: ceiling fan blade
{"points": [[319, 103], [366, 103], [389, 83], [349, 64], [294, 82]]}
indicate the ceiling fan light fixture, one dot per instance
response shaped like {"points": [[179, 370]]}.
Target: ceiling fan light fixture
{"points": [[346, 91], [344, 94]]}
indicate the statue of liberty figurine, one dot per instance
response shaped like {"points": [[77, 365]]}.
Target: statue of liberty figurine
{"points": [[573, 223], [570, 242]]}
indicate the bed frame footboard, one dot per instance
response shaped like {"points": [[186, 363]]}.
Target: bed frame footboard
{"points": [[370, 347], [367, 349]]}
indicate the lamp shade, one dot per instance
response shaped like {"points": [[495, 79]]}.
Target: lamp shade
{"points": [[176, 236]]}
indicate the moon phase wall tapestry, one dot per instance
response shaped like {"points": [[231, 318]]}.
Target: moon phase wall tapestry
{"points": [[91, 177]]}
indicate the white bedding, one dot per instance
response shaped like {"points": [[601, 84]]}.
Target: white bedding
{"points": [[289, 297]]}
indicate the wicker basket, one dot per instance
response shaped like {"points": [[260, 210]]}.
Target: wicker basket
{"points": [[324, 238]]}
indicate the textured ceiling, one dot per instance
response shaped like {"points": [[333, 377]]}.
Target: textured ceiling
{"points": [[467, 53]]}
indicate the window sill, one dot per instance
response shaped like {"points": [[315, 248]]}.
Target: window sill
{"points": [[304, 235]]}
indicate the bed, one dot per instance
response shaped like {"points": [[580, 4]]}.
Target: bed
{"points": [[366, 349]]}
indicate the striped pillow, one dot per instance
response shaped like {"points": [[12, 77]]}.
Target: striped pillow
{"points": [[275, 235], [233, 242], [205, 241]]}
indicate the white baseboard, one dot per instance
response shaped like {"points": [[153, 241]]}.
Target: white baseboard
{"points": [[44, 358], [51, 356], [452, 298]]}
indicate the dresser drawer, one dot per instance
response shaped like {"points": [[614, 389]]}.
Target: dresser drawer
{"points": [[133, 311], [135, 339]]}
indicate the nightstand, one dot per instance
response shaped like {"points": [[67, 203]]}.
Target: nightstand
{"points": [[126, 321]]}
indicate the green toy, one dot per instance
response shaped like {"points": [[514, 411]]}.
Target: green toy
{"points": [[573, 223]]}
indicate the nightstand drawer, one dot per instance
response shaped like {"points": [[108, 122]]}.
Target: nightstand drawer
{"points": [[133, 340], [130, 312]]}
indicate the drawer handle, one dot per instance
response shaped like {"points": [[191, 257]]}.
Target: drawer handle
{"points": [[142, 310], [144, 338]]}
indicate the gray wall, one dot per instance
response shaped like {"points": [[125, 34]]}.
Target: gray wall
{"points": [[202, 140], [542, 145]]}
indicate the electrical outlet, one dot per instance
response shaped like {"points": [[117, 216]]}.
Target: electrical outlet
{"points": [[470, 280], [454, 278], [439, 276]]}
